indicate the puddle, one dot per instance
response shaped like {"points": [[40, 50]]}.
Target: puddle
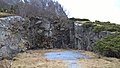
{"points": [[68, 56]]}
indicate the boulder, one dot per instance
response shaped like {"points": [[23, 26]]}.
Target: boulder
{"points": [[11, 39]]}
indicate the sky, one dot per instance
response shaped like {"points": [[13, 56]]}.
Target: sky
{"points": [[102, 10]]}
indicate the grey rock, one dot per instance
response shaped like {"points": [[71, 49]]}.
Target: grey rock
{"points": [[85, 38], [18, 34], [11, 41]]}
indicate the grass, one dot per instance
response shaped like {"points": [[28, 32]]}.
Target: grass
{"points": [[34, 59], [98, 61], [3, 14]]}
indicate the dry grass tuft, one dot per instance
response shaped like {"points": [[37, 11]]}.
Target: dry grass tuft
{"points": [[3, 14], [97, 61], [34, 59]]}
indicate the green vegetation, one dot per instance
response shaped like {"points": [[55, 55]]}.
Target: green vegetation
{"points": [[109, 46], [102, 26], [88, 24], [78, 19], [2, 9], [11, 9], [7, 11]]}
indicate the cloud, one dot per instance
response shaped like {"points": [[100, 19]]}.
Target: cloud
{"points": [[103, 10]]}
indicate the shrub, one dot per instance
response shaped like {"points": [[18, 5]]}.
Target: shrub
{"points": [[106, 26], [78, 19], [98, 28], [87, 25], [109, 46]]}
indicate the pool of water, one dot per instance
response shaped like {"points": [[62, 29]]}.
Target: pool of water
{"points": [[68, 56]]}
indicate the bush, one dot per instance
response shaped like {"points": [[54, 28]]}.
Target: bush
{"points": [[106, 26], [78, 19], [109, 46], [2, 10], [87, 25], [98, 28]]}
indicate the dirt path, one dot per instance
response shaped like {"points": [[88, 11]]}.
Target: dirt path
{"points": [[68, 56], [34, 59]]}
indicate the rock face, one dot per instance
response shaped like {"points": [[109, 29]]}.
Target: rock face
{"points": [[85, 37], [11, 39], [18, 34], [47, 33], [39, 32]]}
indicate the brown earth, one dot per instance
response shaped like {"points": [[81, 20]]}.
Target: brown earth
{"points": [[34, 59]]}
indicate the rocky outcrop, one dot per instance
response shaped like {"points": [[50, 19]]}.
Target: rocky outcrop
{"points": [[18, 34], [85, 37], [47, 33], [11, 36]]}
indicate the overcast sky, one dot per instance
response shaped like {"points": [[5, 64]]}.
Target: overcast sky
{"points": [[103, 10]]}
